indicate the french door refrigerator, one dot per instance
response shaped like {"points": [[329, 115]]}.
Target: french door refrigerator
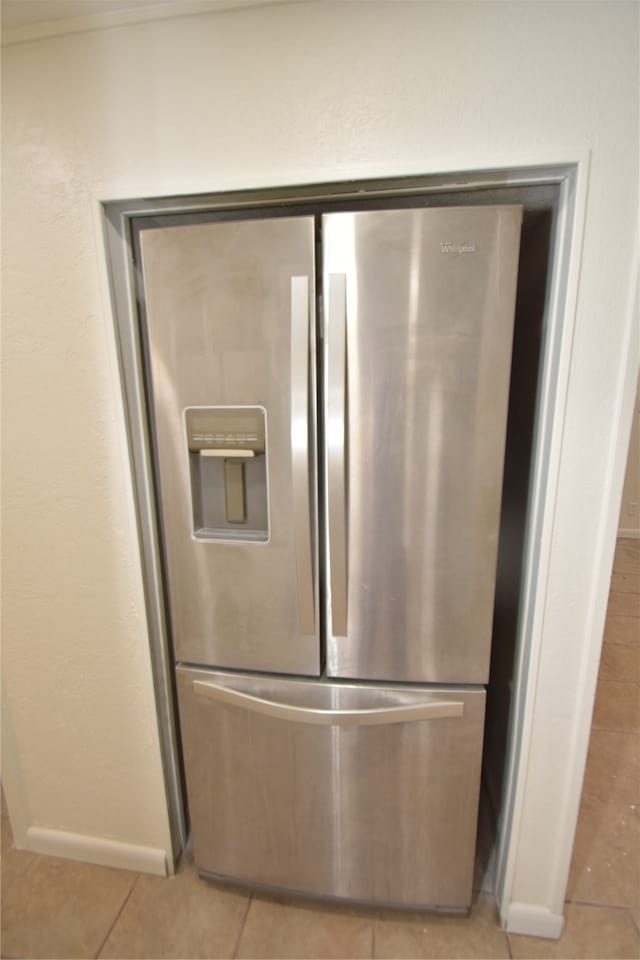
{"points": [[329, 400]]}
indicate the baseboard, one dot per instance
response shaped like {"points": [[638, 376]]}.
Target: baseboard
{"points": [[533, 921], [629, 533], [106, 853]]}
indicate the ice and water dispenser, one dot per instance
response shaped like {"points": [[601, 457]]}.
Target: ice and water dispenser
{"points": [[228, 469]]}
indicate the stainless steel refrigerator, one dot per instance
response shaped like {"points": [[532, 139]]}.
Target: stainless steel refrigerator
{"points": [[329, 401]]}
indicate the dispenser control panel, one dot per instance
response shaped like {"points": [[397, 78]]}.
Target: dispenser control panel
{"points": [[225, 428]]}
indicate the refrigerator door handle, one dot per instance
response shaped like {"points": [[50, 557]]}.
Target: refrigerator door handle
{"points": [[300, 451], [373, 716], [336, 447]]}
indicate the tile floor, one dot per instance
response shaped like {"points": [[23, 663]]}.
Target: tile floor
{"points": [[57, 908]]}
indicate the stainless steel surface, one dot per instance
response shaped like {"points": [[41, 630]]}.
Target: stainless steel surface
{"points": [[336, 426], [383, 813], [430, 301], [217, 300], [300, 461], [358, 791], [363, 716]]}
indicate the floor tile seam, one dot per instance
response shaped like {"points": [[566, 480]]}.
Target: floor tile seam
{"points": [[507, 937], [629, 644], [373, 934], [635, 923], [617, 681], [628, 683], [633, 683], [617, 643], [589, 795], [242, 926], [634, 729], [117, 916], [599, 906]]}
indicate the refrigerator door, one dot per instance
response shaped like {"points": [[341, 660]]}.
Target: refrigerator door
{"points": [[229, 323], [418, 318], [366, 793]]}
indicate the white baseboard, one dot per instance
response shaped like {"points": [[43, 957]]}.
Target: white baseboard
{"points": [[629, 533], [533, 921], [106, 853]]}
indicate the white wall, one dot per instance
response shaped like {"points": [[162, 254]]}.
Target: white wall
{"points": [[265, 96]]}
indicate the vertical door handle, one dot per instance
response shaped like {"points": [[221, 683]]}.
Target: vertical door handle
{"points": [[336, 446], [300, 452]]}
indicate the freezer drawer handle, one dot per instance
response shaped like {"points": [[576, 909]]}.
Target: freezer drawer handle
{"points": [[300, 451], [336, 449], [401, 713]]}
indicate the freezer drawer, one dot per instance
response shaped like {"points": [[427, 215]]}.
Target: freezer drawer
{"points": [[362, 792]]}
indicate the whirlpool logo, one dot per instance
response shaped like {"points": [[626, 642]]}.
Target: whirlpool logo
{"points": [[456, 249]]}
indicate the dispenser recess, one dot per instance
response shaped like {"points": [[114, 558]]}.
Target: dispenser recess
{"points": [[228, 472]]}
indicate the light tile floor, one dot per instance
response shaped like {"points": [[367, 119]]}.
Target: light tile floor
{"points": [[57, 908]]}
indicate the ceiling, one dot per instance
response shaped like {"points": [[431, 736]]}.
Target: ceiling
{"points": [[31, 19]]}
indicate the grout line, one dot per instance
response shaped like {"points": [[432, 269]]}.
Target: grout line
{"points": [[599, 906], [509, 950], [117, 916], [623, 646], [631, 730], [374, 920], [633, 921], [633, 683], [242, 926]]}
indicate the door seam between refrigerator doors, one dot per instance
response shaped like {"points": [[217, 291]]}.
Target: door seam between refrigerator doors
{"points": [[320, 454]]}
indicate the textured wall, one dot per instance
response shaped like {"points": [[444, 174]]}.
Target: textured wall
{"points": [[262, 96]]}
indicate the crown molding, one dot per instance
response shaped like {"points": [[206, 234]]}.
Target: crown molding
{"points": [[42, 29]]}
